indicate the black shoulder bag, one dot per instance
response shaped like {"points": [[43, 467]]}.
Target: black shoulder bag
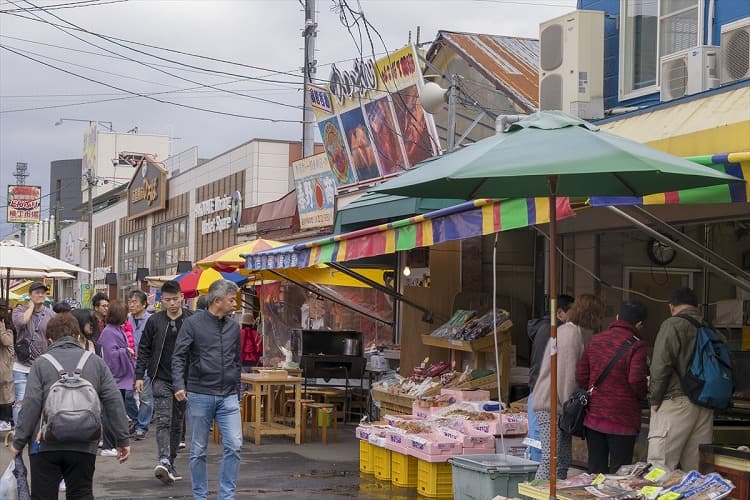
{"points": [[574, 409]]}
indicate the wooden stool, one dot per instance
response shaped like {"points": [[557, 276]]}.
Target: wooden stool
{"points": [[320, 412]]}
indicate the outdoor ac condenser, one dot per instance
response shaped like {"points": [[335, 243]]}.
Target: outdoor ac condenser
{"points": [[689, 71], [571, 74], [735, 51]]}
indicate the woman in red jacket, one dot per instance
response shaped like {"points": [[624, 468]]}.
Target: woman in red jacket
{"points": [[251, 343], [614, 417]]}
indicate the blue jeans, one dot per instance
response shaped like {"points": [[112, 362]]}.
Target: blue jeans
{"points": [[131, 406], [202, 409], [19, 391], [146, 405], [535, 454]]}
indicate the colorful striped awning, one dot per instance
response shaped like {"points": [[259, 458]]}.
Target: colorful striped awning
{"points": [[466, 220], [736, 164]]}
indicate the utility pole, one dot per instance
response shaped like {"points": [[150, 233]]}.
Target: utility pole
{"points": [[90, 183], [21, 174], [310, 33], [452, 97]]}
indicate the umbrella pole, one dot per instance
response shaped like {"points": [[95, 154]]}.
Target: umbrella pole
{"points": [[553, 336]]}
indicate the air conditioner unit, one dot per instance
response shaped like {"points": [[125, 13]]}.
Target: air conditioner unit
{"points": [[735, 51], [689, 71], [571, 56]]}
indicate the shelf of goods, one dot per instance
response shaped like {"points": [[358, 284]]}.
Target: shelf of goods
{"points": [[480, 347]]}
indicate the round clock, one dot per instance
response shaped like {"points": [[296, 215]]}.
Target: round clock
{"points": [[660, 253]]}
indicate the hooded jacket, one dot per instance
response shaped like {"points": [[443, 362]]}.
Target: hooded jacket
{"points": [[211, 347], [152, 343], [41, 377], [538, 330]]}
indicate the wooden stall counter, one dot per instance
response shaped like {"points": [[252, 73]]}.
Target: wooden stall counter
{"points": [[268, 385]]}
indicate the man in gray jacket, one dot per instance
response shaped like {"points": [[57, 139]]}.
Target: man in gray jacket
{"points": [[73, 461], [211, 343]]}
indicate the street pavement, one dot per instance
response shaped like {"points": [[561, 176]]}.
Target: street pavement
{"points": [[277, 469]]}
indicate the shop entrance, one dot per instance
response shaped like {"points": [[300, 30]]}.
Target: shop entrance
{"points": [[657, 283]]}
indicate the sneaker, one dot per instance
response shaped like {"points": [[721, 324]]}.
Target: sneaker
{"points": [[174, 473], [181, 445], [139, 435], [163, 472], [5, 426], [62, 486], [109, 453]]}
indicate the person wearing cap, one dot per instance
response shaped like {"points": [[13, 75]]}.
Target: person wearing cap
{"points": [[613, 420], [31, 338], [678, 426]]}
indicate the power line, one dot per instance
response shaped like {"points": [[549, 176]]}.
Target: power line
{"points": [[68, 5], [138, 94]]}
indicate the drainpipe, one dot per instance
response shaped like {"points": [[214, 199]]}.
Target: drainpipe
{"points": [[502, 122], [711, 9]]}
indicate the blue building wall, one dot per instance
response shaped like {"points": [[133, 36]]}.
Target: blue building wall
{"points": [[725, 11]]}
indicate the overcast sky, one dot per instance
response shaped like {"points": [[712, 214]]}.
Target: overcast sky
{"points": [[265, 34]]}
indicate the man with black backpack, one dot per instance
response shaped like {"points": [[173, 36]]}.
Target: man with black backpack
{"points": [[60, 418], [678, 425]]}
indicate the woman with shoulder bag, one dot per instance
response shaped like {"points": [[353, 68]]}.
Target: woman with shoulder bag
{"points": [[613, 419], [584, 318]]}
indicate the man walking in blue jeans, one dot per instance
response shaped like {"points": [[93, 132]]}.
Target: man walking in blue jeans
{"points": [[211, 343], [137, 303]]}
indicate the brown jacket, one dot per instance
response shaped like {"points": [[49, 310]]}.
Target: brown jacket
{"points": [[6, 365]]}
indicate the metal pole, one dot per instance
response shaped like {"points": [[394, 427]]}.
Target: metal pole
{"points": [[310, 32], [553, 292], [90, 183], [656, 234], [452, 95]]}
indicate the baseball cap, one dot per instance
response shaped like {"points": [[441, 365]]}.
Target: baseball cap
{"points": [[37, 285]]}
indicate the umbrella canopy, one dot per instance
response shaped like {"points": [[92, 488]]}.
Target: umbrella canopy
{"points": [[16, 257], [229, 259], [585, 160], [198, 280]]}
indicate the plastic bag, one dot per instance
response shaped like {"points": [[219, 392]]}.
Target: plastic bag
{"points": [[8, 485]]}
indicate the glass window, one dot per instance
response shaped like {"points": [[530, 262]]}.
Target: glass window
{"points": [[170, 246], [652, 29], [132, 256]]}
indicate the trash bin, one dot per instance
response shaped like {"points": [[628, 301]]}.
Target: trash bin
{"points": [[479, 477]]}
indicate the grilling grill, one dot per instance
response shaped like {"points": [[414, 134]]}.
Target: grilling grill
{"points": [[327, 354]]}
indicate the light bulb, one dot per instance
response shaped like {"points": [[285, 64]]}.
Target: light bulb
{"points": [[407, 271]]}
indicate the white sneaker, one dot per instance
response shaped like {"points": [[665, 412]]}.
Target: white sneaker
{"points": [[5, 426], [109, 453], [62, 485], [181, 446]]}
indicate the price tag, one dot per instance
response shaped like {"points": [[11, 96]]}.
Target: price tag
{"points": [[649, 491], [598, 479], [655, 474], [670, 495]]}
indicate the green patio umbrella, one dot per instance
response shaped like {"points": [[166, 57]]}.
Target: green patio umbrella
{"points": [[552, 154]]}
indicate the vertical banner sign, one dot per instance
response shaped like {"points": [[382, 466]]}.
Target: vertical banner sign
{"points": [[316, 190], [88, 161], [371, 119], [24, 204], [86, 294]]}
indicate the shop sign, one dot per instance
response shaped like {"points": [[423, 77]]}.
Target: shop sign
{"points": [[147, 191], [316, 190], [101, 272], [24, 204], [372, 121], [227, 210]]}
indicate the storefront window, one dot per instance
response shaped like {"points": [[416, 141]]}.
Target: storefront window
{"points": [[650, 30], [132, 256], [170, 245]]}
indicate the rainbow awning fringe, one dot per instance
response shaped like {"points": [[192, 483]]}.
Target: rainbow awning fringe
{"points": [[736, 164], [466, 220]]}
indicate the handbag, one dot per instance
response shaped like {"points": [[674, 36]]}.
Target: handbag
{"points": [[574, 409]]}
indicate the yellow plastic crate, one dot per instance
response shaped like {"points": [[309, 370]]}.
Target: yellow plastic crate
{"points": [[366, 451], [382, 463], [404, 470], [434, 480]]}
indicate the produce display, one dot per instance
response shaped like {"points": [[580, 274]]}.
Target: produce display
{"points": [[466, 325], [428, 379]]}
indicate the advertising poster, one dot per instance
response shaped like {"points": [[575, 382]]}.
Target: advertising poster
{"points": [[316, 190], [89, 153], [371, 113], [24, 204]]}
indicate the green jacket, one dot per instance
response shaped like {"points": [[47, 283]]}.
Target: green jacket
{"points": [[673, 353]]}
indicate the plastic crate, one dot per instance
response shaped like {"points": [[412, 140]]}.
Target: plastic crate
{"points": [[366, 457], [434, 479], [403, 470], [478, 477], [381, 460]]}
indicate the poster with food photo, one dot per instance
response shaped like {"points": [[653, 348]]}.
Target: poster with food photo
{"points": [[385, 136], [358, 137], [335, 149], [413, 125]]}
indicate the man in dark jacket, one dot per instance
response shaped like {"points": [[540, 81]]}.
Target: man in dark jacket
{"points": [[73, 461], [155, 352], [211, 342], [614, 417], [538, 331]]}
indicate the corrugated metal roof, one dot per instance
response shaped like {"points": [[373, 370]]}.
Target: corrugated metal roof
{"points": [[511, 63]]}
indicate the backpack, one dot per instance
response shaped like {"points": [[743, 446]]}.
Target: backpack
{"points": [[708, 381], [72, 411]]}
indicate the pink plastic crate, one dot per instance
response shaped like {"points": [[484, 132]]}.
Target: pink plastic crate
{"points": [[434, 444], [428, 457], [470, 438], [392, 419], [515, 423], [364, 431], [422, 411], [459, 395]]}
